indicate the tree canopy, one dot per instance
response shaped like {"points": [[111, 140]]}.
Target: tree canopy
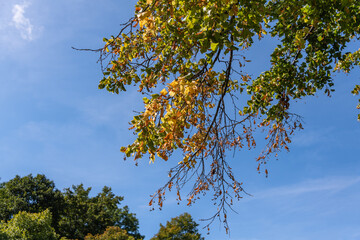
{"points": [[188, 58], [111, 233], [84, 214], [28, 226], [30, 194], [182, 227], [76, 213]]}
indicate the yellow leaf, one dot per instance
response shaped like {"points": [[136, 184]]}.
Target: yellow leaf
{"points": [[147, 113], [163, 92], [174, 84], [152, 158], [172, 93], [143, 18], [186, 91]]}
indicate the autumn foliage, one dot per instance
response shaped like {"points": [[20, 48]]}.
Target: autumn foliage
{"points": [[188, 59]]}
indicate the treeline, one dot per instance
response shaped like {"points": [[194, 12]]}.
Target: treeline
{"points": [[31, 208]]}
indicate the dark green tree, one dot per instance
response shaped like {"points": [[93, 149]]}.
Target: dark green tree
{"points": [[83, 214], [182, 227], [75, 214], [32, 195]]}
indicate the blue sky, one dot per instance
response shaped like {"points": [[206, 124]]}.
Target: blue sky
{"points": [[56, 122]]}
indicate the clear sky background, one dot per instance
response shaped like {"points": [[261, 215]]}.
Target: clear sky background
{"points": [[56, 122]]}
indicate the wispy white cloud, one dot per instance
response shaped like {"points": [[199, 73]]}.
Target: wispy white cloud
{"points": [[333, 184], [311, 137], [19, 25], [322, 208], [21, 22]]}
